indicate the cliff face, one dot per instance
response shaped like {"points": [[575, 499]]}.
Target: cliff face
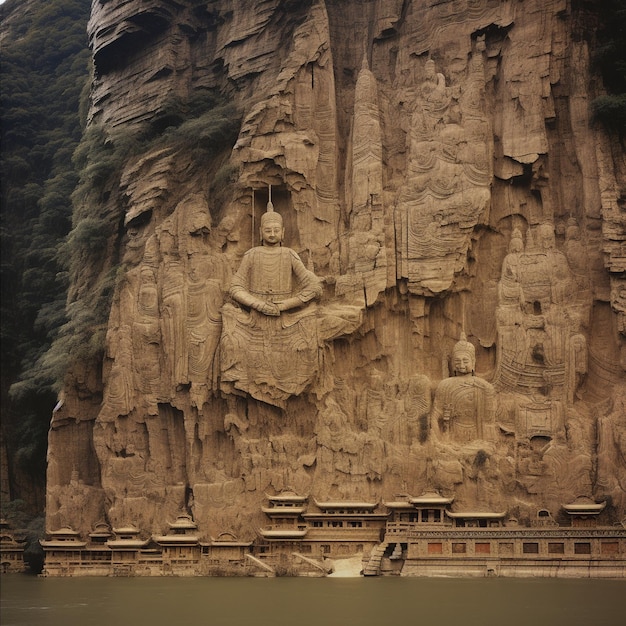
{"points": [[436, 167]]}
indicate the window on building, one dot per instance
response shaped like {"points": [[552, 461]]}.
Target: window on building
{"points": [[609, 547], [459, 548], [435, 548], [530, 548], [325, 549], [557, 547], [582, 548], [318, 524], [356, 524], [482, 548]]}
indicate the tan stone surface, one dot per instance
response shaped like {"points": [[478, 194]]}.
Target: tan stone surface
{"points": [[438, 173]]}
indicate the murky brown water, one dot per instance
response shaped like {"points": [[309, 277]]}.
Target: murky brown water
{"points": [[310, 602]]}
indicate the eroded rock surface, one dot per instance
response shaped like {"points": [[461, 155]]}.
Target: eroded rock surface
{"points": [[437, 170]]}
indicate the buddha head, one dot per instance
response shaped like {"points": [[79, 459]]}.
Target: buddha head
{"points": [[272, 230], [463, 357], [516, 244], [545, 236], [430, 69]]}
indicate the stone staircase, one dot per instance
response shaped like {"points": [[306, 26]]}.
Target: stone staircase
{"points": [[373, 565]]}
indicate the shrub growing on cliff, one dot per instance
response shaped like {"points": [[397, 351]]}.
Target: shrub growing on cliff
{"points": [[610, 59], [44, 66]]}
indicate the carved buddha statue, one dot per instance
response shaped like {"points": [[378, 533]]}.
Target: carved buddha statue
{"points": [[464, 405], [269, 344], [272, 278]]}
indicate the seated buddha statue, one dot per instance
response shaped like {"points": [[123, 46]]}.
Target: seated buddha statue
{"points": [[269, 339]]}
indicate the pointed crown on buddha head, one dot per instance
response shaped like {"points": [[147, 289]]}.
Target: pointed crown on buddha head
{"points": [[271, 216]]}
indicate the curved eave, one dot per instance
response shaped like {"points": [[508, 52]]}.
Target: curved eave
{"points": [[345, 516], [63, 532], [400, 505], [287, 498], [228, 544], [281, 534], [431, 500], [174, 540], [184, 522], [346, 505], [283, 510], [584, 509], [127, 544], [12, 543], [476, 515], [62, 545], [126, 530]]}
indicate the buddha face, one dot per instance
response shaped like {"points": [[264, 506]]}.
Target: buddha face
{"points": [[463, 363], [272, 233], [546, 237]]}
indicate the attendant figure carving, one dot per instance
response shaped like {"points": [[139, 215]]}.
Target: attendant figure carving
{"points": [[464, 405], [540, 346]]}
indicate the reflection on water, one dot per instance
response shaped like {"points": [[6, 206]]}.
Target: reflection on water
{"points": [[310, 602]]}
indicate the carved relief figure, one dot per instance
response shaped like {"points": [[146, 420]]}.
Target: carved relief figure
{"points": [[540, 346], [269, 346], [464, 405], [448, 173]]}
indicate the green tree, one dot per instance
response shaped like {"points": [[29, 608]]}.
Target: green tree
{"points": [[43, 68]]}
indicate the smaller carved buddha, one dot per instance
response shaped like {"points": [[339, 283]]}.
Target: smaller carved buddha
{"points": [[510, 288], [464, 405], [433, 89]]}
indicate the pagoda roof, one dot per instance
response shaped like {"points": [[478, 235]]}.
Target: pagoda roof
{"points": [[184, 522], [346, 504], [102, 529], [584, 506], [8, 540], [62, 544], [477, 514], [227, 544], [66, 531], [128, 544], [431, 498], [176, 539], [282, 533], [127, 530], [400, 504], [283, 510], [287, 496], [227, 540]]}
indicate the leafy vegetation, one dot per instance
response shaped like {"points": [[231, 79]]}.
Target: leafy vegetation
{"points": [[44, 67], [609, 56], [55, 179]]}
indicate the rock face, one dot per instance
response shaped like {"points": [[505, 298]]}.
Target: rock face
{"points": [[438, 173]]}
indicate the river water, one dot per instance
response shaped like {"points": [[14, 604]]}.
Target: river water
{"points": [[33, 601]]}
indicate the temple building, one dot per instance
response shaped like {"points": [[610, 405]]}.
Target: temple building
{"points": [[11, 550], [426, 535]]}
